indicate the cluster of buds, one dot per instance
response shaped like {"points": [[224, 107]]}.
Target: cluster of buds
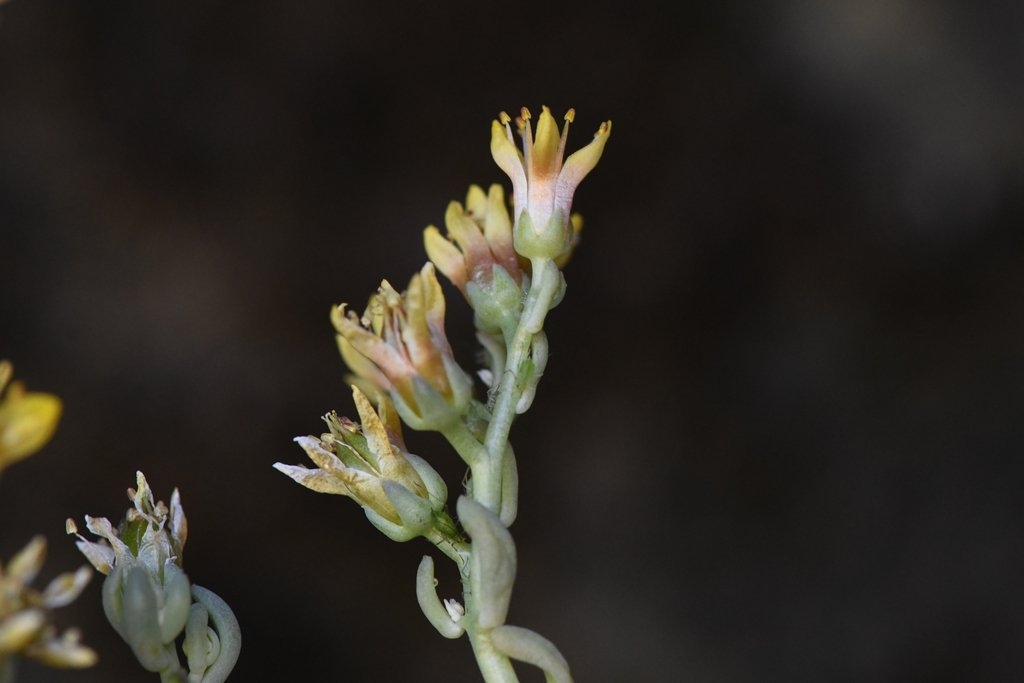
{"points": [[402, 495], [398, 347], [147, 597], [27, 418], [25, 627]]}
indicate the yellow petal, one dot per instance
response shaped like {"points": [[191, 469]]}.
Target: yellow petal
{"points": [[545, 158], [24, 566], [476, 202], [377, 441], [505, 154], [582, 161], [27, 422], [446, 256]]}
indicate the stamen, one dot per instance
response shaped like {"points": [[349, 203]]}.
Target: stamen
{"points": [[569, 116], [526, 132], [504, 118]]}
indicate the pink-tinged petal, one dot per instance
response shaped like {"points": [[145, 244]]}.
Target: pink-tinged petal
{"points": [[498, 231], [578, 165], [467, 234], [363, 368], [425, 311], [434, 307], [387, 359], [509, 159]]}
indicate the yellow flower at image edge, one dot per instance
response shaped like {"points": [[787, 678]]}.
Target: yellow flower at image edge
{"points": [[28, 419]]}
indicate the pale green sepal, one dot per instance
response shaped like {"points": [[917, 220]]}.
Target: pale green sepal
{"points": [[509, 488], [532, 648], [433, 413], [415, 512], [141, 625], [227, 632], [113, 599], [498, 304], [493, 561], [396, 532], [548, 241], [437, 490], [433, 610], [177, 599]]}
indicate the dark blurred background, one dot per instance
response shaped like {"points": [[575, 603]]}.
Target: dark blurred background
{"points": [[780, 434]]}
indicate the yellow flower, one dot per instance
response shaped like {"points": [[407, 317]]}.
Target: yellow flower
{"points": [[27, 419], [479, 238], [542, 184], [25, 628], [399, 346]]}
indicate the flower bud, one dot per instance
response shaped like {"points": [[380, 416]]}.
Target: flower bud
{"points": [[146, 595]]}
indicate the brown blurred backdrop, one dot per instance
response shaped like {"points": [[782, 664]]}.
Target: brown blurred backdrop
{"points": [[780, 434]]}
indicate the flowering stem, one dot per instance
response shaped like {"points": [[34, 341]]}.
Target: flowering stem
{"points": [[456, 551], [487, 461], [495, 666], [543, 287]]}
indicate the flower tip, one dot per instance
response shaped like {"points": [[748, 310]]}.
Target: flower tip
{"points": [[504, 118], [570, 116], [524, 113]]}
